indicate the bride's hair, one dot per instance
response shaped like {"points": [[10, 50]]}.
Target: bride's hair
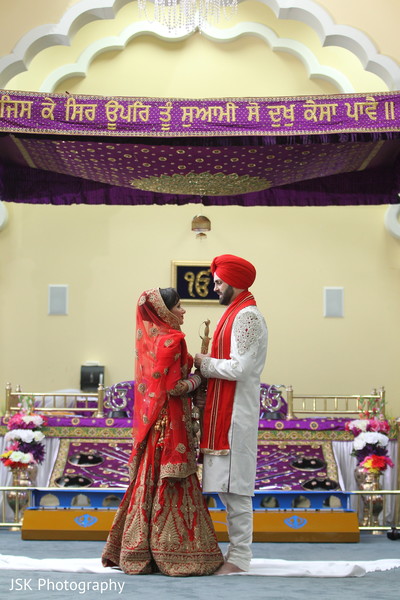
{"points": [[170, 297]]}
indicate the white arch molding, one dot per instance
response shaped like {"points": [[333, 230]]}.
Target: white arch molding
{"points": [[3, 215], [306, 11], [392, 222], [314, 69]]}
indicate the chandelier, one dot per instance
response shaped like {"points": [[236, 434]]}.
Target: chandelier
{"points": [[187, 15]]}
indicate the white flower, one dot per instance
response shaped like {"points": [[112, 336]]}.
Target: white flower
{"points": [[37, 420], [370, 437], [25, 435], [360, 424], [21, 457]]}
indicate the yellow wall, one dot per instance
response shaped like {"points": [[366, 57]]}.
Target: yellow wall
{"points": [[108, 255]]}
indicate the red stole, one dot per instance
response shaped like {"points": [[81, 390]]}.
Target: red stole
{"points": [[220, 392]]}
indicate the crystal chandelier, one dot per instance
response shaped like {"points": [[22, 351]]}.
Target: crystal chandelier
{"points": [[187, 15]]}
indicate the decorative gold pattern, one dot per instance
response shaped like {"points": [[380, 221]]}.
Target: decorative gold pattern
{"points": [[126, 432], [311, 127], [302, 434], [256, 168], [61, 462], [155, 526], [155, 298], [181, 388], [202, 184], [325, 446]]}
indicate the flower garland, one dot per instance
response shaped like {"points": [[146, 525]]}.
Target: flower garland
{"points": [[24, 437], [370, 444]]}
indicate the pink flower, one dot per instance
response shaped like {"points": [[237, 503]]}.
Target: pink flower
{"points": [[362, 425], [378, 425]]}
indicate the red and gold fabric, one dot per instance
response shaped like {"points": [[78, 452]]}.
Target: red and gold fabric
{"points": [[162, 523]]}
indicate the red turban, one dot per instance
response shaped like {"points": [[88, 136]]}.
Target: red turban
{"points": [[234, 271]]}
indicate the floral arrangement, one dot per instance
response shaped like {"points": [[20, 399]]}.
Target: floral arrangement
{"points": [[24, 437], [370, 443]]}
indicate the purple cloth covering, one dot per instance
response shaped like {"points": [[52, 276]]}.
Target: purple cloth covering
{"points": [[295, 465], [93, 463], [315, 424], [36, 112], [293, 151]]}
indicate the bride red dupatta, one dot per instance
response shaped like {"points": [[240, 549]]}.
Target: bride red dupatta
{"points": [[161, 361]]}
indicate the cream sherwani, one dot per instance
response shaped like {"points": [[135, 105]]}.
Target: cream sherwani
{"points": [[235, 472], [233, 475]]}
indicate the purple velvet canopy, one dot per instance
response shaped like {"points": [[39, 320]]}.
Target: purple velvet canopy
{"points": [[294, 151]]}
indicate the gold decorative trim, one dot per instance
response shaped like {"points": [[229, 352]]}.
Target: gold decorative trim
{"points": [[306, 435], [25, 153], [88, 432], [371, 155], [202, 184]]}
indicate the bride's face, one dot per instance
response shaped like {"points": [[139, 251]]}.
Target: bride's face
{"points": [[178, 311]]}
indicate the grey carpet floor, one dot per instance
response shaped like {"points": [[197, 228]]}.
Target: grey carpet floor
{"points": [[43, 585]]}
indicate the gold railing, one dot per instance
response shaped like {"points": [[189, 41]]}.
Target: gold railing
{"points": [[57, 402], [17, 498], [371, 517], [339, 405]]}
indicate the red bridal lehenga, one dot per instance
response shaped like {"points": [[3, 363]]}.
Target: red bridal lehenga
{"points": [[162, 523]]}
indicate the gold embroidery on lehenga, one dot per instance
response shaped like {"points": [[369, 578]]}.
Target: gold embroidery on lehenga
{"points": [[163, 523], [181, 544]]}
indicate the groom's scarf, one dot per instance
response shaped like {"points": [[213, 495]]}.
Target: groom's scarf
{"points": [[221, 392]]}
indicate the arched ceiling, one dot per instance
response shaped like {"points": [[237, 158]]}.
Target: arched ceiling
{"points": [[314, 69]]}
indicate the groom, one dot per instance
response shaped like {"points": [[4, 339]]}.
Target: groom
{"points": [[232, 407]]}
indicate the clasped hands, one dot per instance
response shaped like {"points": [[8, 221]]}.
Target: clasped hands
{"points": [[198, 359]]}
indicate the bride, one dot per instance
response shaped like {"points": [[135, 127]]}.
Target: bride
{"points": [[163, 523]]}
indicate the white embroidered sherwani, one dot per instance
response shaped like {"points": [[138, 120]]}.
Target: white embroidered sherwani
{"points": [[235, 472]]}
